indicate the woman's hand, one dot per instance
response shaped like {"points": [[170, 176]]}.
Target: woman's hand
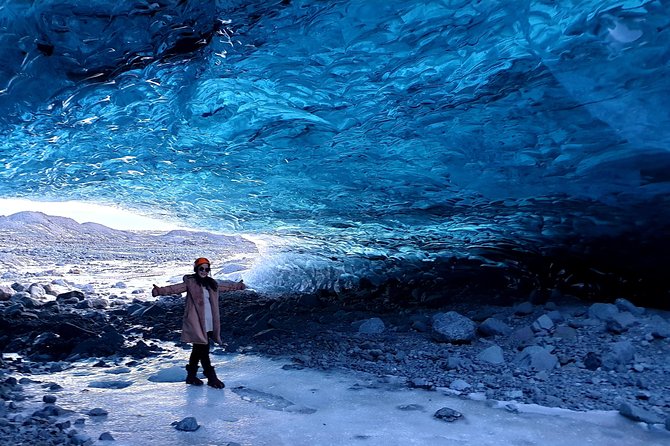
{"points": [[155, 292], [229, 285]]}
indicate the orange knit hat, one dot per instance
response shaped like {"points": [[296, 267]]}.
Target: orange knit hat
{"points": [[200, 261]]}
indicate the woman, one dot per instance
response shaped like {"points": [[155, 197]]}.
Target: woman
{"points": [[201, 317]]}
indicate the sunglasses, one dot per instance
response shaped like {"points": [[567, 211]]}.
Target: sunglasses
{"points": [[202, 268]]}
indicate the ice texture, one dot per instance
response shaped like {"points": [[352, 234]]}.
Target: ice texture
{"points": [[360, 131]]}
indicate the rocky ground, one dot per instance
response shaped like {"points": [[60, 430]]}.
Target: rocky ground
{"points": [[563, 352], [567, 354]]}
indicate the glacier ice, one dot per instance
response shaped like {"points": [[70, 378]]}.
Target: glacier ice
{"points": [[378, 137]]}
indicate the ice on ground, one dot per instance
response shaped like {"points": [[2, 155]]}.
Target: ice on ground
{"points": [[265, 404]]}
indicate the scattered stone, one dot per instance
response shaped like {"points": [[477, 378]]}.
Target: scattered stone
{"points": [[49, 399], [106, 436], [80, 439], [619, 356], [5, 293], [410, 407], [452, 327], [543, 323], [459, 385], [565, 332], [420, 383], [660, 327], [66, 297], [110, 384], [603, 312], [447, 414], [493, 327], [592, 361], [97, 412], [523, 309], [372, 326], [188, 424], [536, 358], [492, 355], [522, 337], [636, 413], [625, 305]]}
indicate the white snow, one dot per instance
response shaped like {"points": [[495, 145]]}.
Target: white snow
{"points": [[264, 404]]}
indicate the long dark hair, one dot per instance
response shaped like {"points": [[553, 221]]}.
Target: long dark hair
{"points": [[207, 282]]}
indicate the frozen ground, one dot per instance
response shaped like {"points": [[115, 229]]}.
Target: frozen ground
{"points": [[264, 404]]}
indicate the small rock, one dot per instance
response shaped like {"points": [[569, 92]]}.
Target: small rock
{"points": [[459, 385], [420, 383], [522, 337], [188, 424], [447, 414], [106, 436], [492, 355], [603, 312], [638, 414], [592, 361], [493, 327], [372, 326], [565, 332], [624, 305], [620, 354], [97, 412], [536, 358], [523, 309], [80, 439], [452, 327], [543, 323], [49, 399]]}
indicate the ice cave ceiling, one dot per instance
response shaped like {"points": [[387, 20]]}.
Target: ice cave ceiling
{"points": [[367, 129]]}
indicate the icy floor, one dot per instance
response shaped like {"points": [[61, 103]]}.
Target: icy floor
{"points": [[273, 406]]}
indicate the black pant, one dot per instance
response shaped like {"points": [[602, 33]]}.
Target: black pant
{"points": [[200, 353]]}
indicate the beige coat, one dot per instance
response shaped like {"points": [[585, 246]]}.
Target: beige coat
{"points": [[193, 325]]}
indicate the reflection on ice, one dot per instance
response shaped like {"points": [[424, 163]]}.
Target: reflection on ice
{"points": [[266, 404]]}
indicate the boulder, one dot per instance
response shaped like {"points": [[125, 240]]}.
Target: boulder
{"points": [[660, 328], [372, 326], [636, 413], [522, 337], [24, 298], [493, 327], [603, 312], [492, 355], [5, 293], [452, 327], [592, 361], [543, 323], [536, 358], [619, 356], [523, 309], [37, 291], [459, 385], [70, 295], [625, 305]]}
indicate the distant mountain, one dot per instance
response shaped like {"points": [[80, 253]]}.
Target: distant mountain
{"points": [[40, 224]]}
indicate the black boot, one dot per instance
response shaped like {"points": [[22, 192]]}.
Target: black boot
{"points": [[191, 378], [212, 379]]}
